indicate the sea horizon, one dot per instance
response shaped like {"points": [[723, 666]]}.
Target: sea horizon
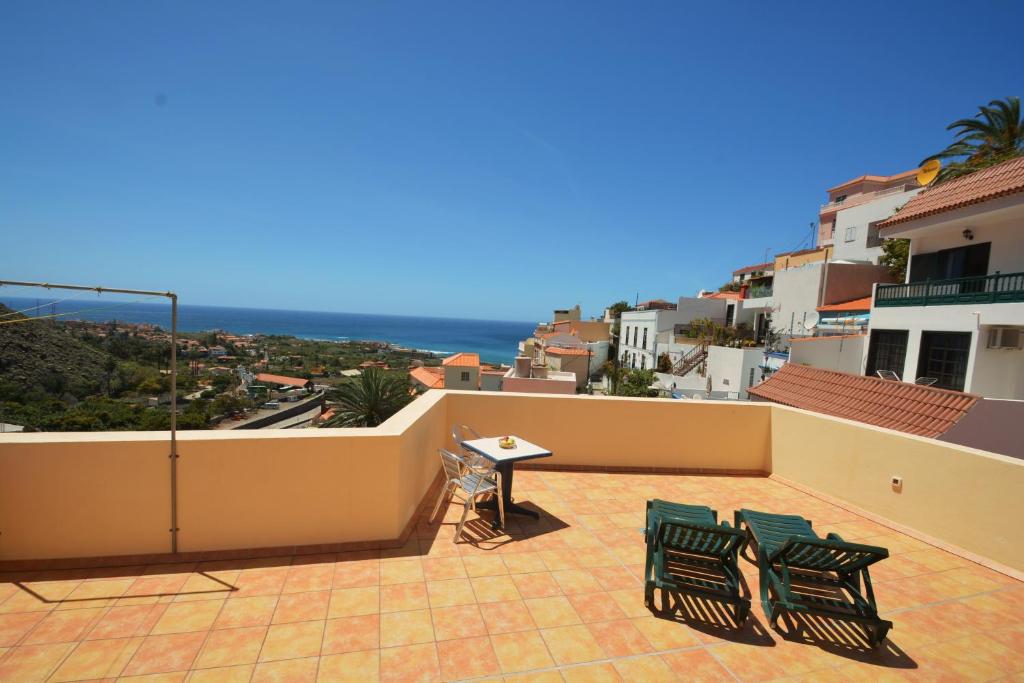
{"points": [[495, 340]]}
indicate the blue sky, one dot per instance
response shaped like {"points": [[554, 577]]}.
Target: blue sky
{"points": [[486, 160]]}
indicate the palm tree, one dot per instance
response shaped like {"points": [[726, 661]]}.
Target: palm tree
{"points": [[994, 135], [370, 400]]}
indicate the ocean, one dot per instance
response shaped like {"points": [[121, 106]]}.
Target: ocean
{"points": [[495, 340]]}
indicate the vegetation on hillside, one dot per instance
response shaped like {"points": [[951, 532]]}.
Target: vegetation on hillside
{"points": [[994, 135]]}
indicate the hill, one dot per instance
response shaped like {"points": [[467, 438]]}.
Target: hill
{"points": [[41, 356]]}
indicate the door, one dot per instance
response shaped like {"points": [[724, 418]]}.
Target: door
{"points": [[887, 350], [944, 356]]}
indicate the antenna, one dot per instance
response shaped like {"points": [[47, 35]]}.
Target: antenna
{"points": [[928, 171]]}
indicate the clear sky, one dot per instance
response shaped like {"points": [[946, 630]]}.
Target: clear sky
{"points": [[477, 159]]}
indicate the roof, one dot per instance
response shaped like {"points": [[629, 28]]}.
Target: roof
{"points": [[432, 378], [852, 305], [463, 360], [874, 179], [281, 379], [724, 295], [910, 408], [981, 186], [751, 269], [563, 351]]}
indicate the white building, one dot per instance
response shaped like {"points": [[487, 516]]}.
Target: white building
{"points": [[639, 330], [959, 317]]}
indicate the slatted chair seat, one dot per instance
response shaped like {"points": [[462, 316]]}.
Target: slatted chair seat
{"points": [[791, 557], [689, 551]]}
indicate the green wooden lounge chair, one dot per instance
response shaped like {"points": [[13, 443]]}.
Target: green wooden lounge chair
{"points": [[788, 551], [689, 551]]}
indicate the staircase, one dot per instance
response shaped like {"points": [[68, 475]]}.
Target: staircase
{"points": [[692, 359]]}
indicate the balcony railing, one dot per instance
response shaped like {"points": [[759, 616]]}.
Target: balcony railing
{"points": [[989, 289], [759, 292], [866, 197]]}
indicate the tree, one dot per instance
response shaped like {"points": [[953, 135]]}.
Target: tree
{"points": [[895, 253], [636, 383], [374, 397], [664, 363], [994, 135]]}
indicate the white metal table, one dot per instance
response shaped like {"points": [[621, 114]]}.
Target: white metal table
{"points": [[504, 460]]}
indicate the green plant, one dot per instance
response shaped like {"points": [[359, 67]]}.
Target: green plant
{"points": [[369, 400], [995, 134], [664, 363], [895, 254], [636, 383]]}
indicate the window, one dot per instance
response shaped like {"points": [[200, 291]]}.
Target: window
{"points": [[887, 350], [874, 240], [643, 362], [970, 261], [634, 361], [944, 356], [634, 336], [645, 337], [840, 199], [626, 338], [464, 376], [851, 234], [729, 311]]}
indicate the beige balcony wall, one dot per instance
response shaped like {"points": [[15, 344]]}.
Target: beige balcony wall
{"points": [[594, 431], [73, 495], [960, 496]]}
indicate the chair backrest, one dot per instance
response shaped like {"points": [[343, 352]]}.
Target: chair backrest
{"points": [[461, 433], [702, 539], [453, 464], [829, 556]]}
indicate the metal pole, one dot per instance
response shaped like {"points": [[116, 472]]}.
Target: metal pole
{"points": [[174, 376], [174, 423]]}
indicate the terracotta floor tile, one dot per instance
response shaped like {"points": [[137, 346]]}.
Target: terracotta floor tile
{"points": [[97, 593], [494, 588], [462, 621], [521, 651], [484, 565], [205, 587], [356, 575], [30, 663], [523, 562], [406, 628], [171, 677], [572, 644], [306, 578], [536, 585], [183, 617], [535, 677], [615, 578], [14, 627], [290, 641], [401, 571], [576, 581], [591, 673], [156, 586], [293, 607], [23, 601], [260, 582], [166, 653], [665, 634], [557, 560], [596, 607], [650, 669], [402, 597], [439, 568], [351, 634], [294, 671], [552, 612], [450, 592], [351, 602], [350, 667], [227, 674], [255, 611], [619, 638], [698, 666], [630, 601], [507, 617], [467, 658], [410, 663], [90, 659], [232, 646]]}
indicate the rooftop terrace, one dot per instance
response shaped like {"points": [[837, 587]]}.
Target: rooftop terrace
{"points": [[299, 569]]}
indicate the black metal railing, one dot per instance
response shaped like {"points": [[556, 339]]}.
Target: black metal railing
{"points": [[987, 289]]}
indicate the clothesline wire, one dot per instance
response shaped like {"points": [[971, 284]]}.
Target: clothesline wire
{"points": [[82, 310]]}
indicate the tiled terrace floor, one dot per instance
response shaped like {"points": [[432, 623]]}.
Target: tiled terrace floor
{"points": [[557, 600]]}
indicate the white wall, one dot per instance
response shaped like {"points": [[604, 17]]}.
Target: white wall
{"points": [[795, 296], [729, 369], [694, 308], [843, 353], [857, 218]]}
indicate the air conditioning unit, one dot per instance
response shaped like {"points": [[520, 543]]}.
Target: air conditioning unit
{"points": [[1004, 338]]}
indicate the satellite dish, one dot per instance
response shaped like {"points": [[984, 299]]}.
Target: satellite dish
{"points": [[811, 321], [928, 171]]}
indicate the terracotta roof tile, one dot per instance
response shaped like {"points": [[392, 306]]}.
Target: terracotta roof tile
{"points": [[724, 295], [910, 408], [754, 268], [852, 305], [281, 379], [463, 360], [563, 351], [981, 186], [432, 378]]}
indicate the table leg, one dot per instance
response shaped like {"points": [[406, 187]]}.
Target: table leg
{"points": [[507, 470]]}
